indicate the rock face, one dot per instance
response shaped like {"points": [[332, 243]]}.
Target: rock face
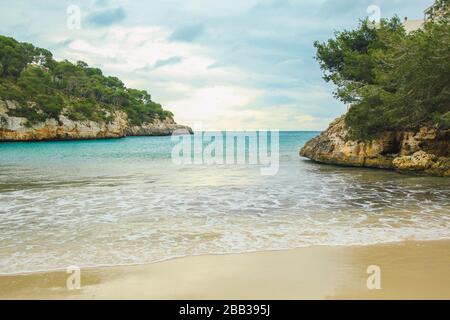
{"points": [[18, 128], [158, 128], [426, 150]]}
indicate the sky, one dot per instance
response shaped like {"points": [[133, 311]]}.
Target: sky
{"points": [[216, 64]]}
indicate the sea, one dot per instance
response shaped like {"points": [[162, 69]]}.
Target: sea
{"points": [[127, 201]]}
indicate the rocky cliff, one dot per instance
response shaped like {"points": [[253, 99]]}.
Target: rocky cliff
{"points": [[19, 129], [426, 150], [158, 128]]}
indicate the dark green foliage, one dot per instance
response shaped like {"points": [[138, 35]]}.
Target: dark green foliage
{"points": [[46, 88], [349, 60], [33, 114], [10, 91], [392, 80], [35, 81], [50, 105]]}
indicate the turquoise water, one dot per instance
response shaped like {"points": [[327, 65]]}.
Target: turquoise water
{"points": [[114, 202]]}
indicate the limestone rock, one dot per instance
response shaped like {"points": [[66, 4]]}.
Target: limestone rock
{"points": [[422, 161], [426, 150], [158, 128], [418, 161], [19, 129], [334, 147]]}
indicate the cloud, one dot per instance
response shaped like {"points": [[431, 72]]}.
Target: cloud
{"points": [[187, 33], [230, 64], [167, 62], [216, 107], [276, 99], [101, 3], [343, 7], [106, 17]]}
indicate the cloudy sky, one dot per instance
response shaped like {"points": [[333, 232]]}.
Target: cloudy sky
{"points": [[224, 64]]}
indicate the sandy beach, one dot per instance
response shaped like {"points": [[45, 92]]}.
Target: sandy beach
{"points": [[409, 270]]}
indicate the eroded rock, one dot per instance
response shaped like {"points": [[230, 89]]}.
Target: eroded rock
{"points": [[426, 150], [19, 129]]}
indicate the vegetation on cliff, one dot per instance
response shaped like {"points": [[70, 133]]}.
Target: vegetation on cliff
{"points": [[392, 80], [46, 88]]}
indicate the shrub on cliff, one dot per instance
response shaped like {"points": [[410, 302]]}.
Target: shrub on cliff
{"points": [[30, 74], [392, 80]]}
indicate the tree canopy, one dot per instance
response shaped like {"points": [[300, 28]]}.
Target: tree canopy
{"points": [[45, 88], [392, 80]]}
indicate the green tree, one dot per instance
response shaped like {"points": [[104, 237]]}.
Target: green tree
{"points": [[392, 80], [35, 80], [45, 87]]}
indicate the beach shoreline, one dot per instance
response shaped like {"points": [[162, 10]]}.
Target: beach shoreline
{"points": [[409, 270]]}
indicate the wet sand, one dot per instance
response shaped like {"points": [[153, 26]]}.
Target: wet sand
{"points": [[409, 270]]}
